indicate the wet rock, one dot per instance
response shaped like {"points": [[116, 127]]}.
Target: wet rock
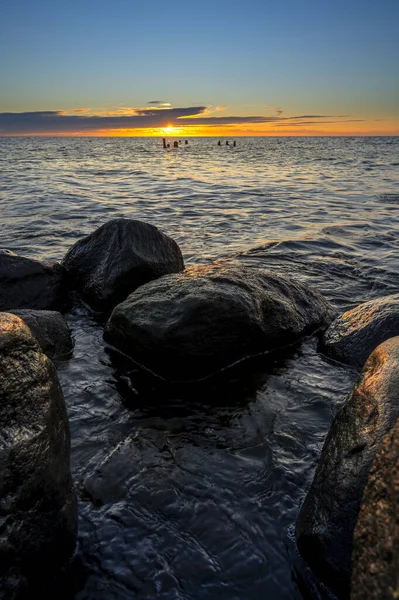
{"points": [[375, 558], [38, 513], [190, 325], [353, 336], [50, 330], [329, 513], [118, 257], [27, 283]]}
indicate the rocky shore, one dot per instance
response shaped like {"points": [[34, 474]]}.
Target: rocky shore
{"points": [[188, 324], [38, 507]]}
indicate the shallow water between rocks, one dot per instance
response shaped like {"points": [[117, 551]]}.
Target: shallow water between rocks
{"points": [[191, 491]]}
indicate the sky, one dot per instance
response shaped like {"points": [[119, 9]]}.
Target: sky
{"points": [[224, 68]]}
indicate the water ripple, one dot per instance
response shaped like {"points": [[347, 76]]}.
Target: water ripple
{"points": [[185, 493]]}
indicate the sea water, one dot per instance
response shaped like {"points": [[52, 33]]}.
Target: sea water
{"points": [[185, 492]]}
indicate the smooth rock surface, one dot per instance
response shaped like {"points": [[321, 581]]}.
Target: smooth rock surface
{"points": [[375, 558], [354, 335], [190, 325], [50, 330], [118, 257], [328, 516], [38, 513], [27, 283]]}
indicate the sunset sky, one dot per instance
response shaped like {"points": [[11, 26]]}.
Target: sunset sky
{"points": [[221, 68]]}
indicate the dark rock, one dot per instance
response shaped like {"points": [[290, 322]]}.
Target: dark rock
{"points": [[50, 330], [118, 257], [328, 516], [38, 513], [353, 336], [375, 558], [27, 283], [190, 325]]}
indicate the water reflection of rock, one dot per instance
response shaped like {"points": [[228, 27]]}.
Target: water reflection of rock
{"points": [[193, 488]]}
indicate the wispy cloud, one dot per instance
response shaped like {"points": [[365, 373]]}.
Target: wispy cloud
{"points": [[159, 103], [60, 122], [290, 123]]}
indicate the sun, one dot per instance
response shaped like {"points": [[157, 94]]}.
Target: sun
{"points": [[170, 130]]}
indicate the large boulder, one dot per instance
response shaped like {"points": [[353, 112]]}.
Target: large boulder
{"points": [[353, 336], [50, 330], [118, 257], [375, 558], [38, 512], [190, 325], [329, 513], [27, 283]]}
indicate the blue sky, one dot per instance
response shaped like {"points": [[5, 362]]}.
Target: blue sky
{"points": [[302, 56]]}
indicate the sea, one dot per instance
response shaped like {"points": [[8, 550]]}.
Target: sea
{"points": [[191, 492]]}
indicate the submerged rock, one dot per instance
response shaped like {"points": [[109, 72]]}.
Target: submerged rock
{"points": [[375, 558], [354, 335], [27, 283], [50, 330], [190, 325], [118, 257], [329, 513], [38, 512]]}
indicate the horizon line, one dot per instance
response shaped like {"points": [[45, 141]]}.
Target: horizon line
{"points": [[161, 136]]}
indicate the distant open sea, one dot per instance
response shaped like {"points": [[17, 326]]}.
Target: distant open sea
{"points": [[192, 494]]}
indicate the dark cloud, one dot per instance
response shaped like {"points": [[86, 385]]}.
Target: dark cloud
{"points": [[320, 117], [58, 122], [225, 120], [53, 122], [159, 102]]}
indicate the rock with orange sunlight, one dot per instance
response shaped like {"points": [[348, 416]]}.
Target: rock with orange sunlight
{"points": [[190, 325], [118, 257], [353, 336], [328, 516], [375, 558], [38, 510], [27, 283], [50, 330]]}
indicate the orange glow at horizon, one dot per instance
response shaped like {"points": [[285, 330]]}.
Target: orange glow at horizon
{"points": [[371, 128], [169, 130], [365, 128]]}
